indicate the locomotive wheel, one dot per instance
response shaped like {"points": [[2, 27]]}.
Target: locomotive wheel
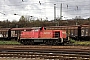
{"points": [[25, 42], [46, 42], [55, 42], [22, 41], [31, 42], [49, 42]]}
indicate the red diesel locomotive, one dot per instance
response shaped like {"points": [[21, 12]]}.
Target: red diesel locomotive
{"points": [[43, 36]]}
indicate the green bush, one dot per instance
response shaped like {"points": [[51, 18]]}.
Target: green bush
{"points": [[9, 42], [82, 43], [72, 41]]}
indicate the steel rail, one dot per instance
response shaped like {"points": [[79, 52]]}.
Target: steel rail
{"points": [[43, 55]]}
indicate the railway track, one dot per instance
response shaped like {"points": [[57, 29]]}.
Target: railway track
{"points": [[45, 53]]}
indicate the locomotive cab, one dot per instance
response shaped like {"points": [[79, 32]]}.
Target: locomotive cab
{"points": [[57, 34]]}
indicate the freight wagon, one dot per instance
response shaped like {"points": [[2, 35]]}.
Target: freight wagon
{"points": [[42, 36], [11, 33], [5, 33], [77, 32]]}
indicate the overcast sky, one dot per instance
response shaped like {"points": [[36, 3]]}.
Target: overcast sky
{"points": [[43, 9]]}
